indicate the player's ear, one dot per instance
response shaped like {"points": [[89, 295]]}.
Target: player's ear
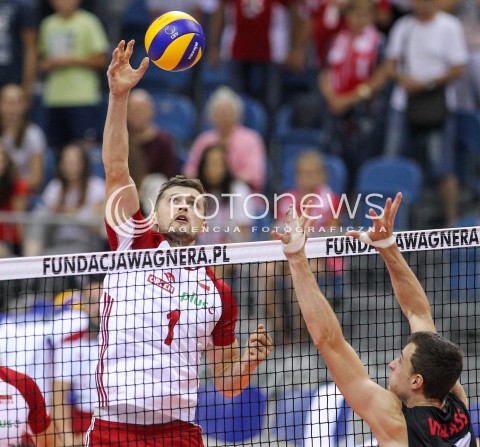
{"points": [[417, 381], [155, 222]]}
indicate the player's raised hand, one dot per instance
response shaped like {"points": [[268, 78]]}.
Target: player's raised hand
{"points": [[382, 225], [258, 348], [122, 77], [296, 232]]}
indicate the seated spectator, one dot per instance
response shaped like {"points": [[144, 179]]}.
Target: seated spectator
{"points": [[348, 84], [154, 147], [426, 52], [229, 223], [310, 184], [72, 49], [27, 408], [76, 194], [13, 198], [24, 141], [245, 149]]}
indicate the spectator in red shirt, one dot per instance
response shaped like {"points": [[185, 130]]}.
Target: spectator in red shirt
{"points": [[13, 197], [263, 36], [327, 19], [348, 84]]}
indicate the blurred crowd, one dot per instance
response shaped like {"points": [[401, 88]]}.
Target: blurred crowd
{"points": [[289, 95], [292, 96]]}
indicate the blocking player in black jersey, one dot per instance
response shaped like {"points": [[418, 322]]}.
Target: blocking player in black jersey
{"points": [[425, 404]]}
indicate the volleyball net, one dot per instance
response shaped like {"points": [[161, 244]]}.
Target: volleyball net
{"points": [[49, 328]]}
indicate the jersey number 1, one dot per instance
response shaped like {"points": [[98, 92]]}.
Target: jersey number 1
{"points": [[173, 318]]}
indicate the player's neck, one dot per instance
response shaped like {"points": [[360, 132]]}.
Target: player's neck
{"points": [[422, 401]]}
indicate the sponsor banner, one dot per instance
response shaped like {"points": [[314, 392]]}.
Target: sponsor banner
{"points": [[115, 262]]}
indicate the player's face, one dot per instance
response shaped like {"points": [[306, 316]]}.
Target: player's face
{"points": [[400, 378], [180, 214]]}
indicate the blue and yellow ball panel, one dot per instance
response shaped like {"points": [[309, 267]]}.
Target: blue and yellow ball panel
{"points": [[175, 41]]}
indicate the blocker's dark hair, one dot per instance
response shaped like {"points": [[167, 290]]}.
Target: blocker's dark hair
{"points": [[438, 360]]}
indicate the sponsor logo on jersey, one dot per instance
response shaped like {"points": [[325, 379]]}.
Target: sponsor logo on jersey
{"points": [[165, 284], [192, 298]]}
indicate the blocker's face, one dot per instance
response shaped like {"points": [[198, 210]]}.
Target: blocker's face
{"points": [[399, 381], [181, 211]]}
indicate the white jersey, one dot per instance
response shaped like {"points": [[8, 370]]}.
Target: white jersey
{"points": [[75, 363], [154, 327], [28, 346], [22, 408]]}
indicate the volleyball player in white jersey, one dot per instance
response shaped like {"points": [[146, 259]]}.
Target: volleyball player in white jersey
{"points": [[155, 325], [23, 413]]}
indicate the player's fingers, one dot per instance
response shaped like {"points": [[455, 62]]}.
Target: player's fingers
{"points": [[284, 238], [115, 55], [121, 49], [129, 50], [396, 204], [143, 66], [353, 233]]}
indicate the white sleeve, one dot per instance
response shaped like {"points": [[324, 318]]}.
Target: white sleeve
{"points": [[456, 47], [397, 39]]}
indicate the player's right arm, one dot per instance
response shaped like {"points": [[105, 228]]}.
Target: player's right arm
{"points": [[381, 409], [122, 193]]}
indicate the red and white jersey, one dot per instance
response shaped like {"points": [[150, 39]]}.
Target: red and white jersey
{"points": [[22, 408], [352, 59], [263, 22], [154, 327]]}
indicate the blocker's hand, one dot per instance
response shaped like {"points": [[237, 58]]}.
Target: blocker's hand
{"points": [[382, 226], [258, 348], [122, 77], [296, 234]]}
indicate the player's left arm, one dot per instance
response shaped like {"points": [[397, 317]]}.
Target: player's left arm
{"points": [[407, 288], [231, 371]]}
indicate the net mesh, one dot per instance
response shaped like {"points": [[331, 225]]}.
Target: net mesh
{"points": [[49, 330]]}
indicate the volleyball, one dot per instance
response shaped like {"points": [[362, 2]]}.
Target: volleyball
{"points": [[175, 41]]}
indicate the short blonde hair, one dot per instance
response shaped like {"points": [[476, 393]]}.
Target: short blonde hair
{"points": [[225, 94]]}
